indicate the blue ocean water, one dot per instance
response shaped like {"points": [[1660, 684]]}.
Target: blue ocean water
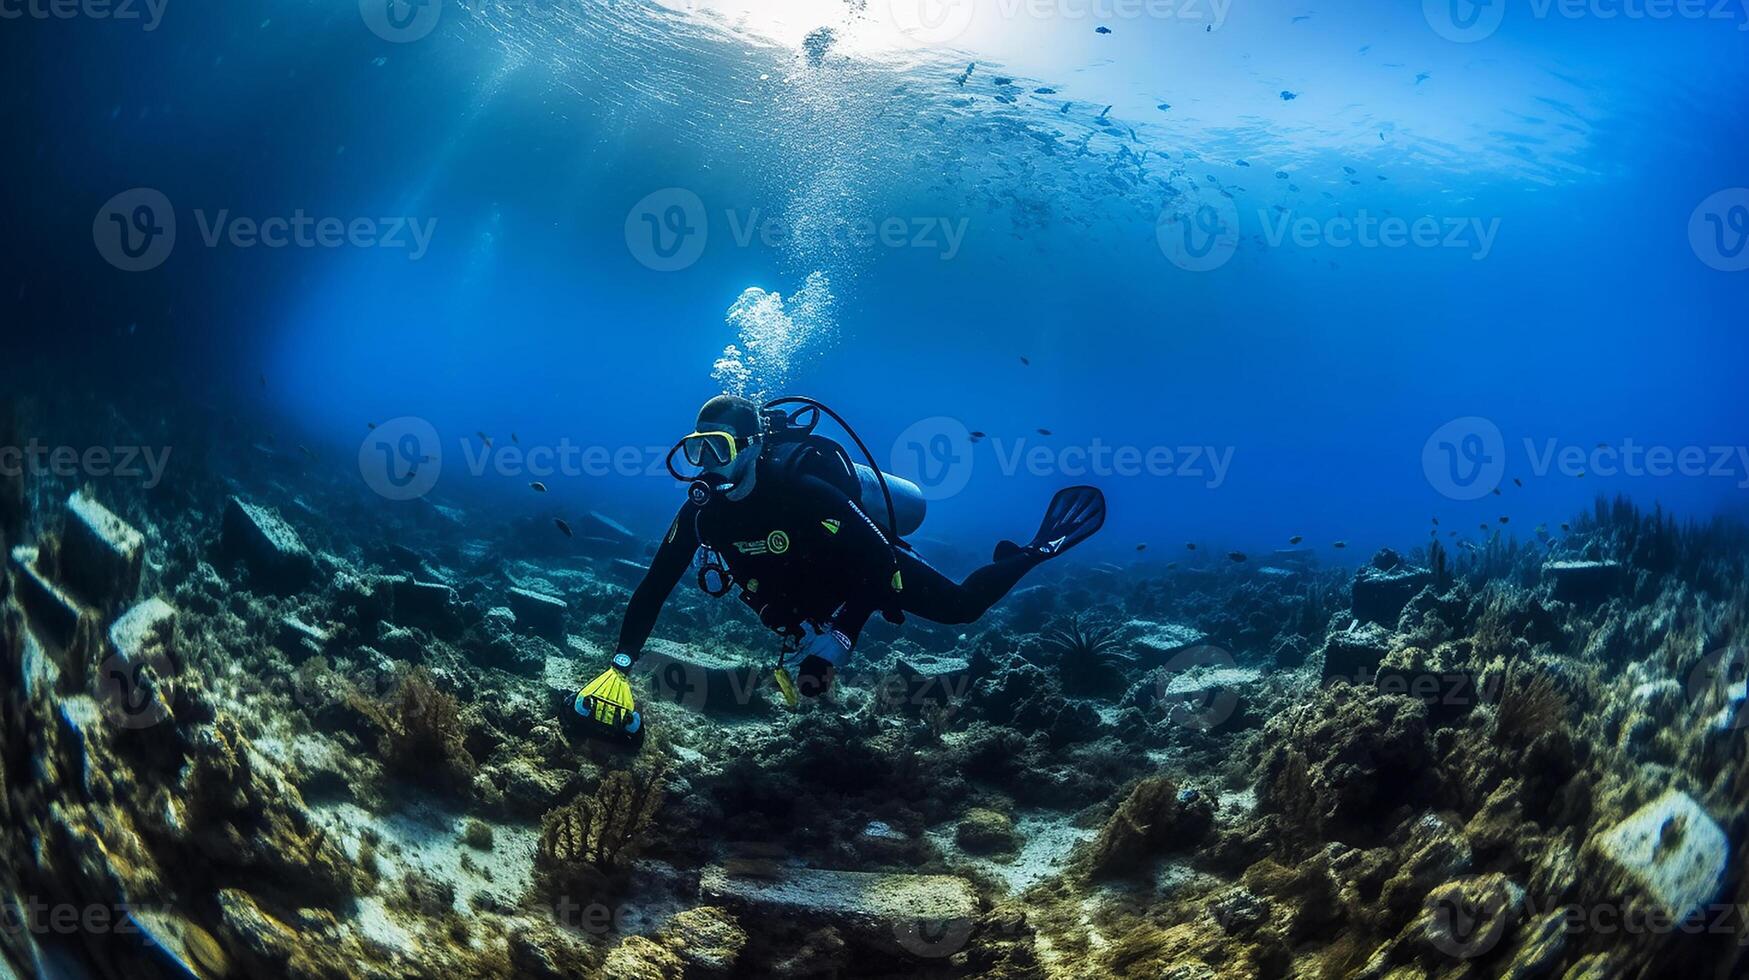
{"points": [[1259, 271]]}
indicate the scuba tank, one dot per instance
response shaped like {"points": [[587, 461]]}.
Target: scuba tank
{"points": [[909, 507], [795, 449]]}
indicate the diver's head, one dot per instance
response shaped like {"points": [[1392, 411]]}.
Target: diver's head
{"points": [[725, 443]]}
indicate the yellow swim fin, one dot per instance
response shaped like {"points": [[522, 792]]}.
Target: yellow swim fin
{"points": [[606, 703]]}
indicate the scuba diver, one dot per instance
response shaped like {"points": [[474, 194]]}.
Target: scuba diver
{"points": [[814, 542]]}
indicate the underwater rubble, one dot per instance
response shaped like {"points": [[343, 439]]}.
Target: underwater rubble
{"points": [[248, 730]]}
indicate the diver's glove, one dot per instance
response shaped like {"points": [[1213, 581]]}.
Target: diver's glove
{"points": [[826, 643], [822, 651]]}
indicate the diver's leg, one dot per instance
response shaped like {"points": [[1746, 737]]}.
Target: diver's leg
{"points": [[935, 597]]}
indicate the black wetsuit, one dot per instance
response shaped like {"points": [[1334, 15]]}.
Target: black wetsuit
{"points": [[801, 550]]}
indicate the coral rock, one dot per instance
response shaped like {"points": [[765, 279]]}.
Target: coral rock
{"points": [[640, 958], [1384, 587], [893, 913], [1673, 850], [1354, 653], [983, 831], [707, 939], [701, 680], [266, 545], [101, 554], [542, 615], [1584, 581], [54, 613], [1155, 643]]}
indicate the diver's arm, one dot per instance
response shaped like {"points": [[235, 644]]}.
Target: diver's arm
{"points": [[671, 561]]}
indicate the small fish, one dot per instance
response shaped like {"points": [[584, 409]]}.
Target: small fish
{"points": [[1517, 482], [1164, 106], [1025, 361], [538, 487], [1102, 30], [371, 426], [1171, 565], [1044, 432], [1436, 522], [1484, 527], [1348, 170], [485, 439], [1299, 18], [1236, 556], [1504, 519], [1565, 526], [1340, 544], [1421, 77], [1296, 539], [563, 527], [1044, 91], [1496, 491], [1287, 96], [1141, 547], [1240, 163], [514, 439], [976, 436], [1191, 545], [307, 454]]}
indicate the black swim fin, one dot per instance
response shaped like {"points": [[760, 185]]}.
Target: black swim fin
{"points": [[1075, 514]]}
